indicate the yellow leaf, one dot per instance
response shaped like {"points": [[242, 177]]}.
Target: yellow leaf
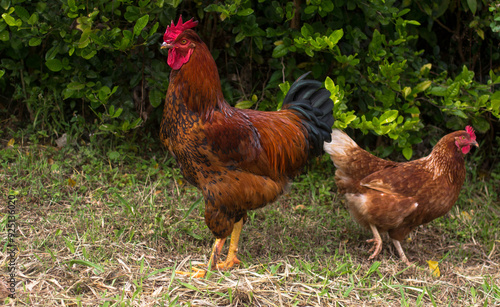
{"points": [[425, 68], [434, 267], [11, 142], [466, 216], [299, 207], [406, 92], [71, 182], [155, 166], [157, 192]]}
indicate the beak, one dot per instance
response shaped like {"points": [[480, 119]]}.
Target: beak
{"points": [[166, 46], [474, 143]]}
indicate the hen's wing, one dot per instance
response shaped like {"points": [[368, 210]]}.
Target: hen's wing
{"points": [[405, 179]]}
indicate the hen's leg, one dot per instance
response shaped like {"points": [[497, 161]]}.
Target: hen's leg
{"points": [[214, 256], [377, 242], [402, 255], [231, 259]]}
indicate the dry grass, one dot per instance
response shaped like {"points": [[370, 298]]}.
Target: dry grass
{"points": [[116, 237]]}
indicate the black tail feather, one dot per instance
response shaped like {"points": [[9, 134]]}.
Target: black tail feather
{"points": [[313, 103]]}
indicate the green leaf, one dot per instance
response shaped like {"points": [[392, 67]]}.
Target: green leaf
{"points": [[245, 12], [245, 104], [280, 51], [422, 86], [481, 101], [413, 22], [156, 97], [306, 30], [11, 21], [189, 286], [22, 13], [310, 9], [140, 24], [35, 41], [480, 124], [336, 36], [76, 86], [407, 153], [2, 72], [388, 116], [104, 93], [4, 36], [472, 6], [495, 106], [113, 155], [438, 91], [413, 110], [131, 13], [54, 64], [458, 113], [406, 92], [239, 37], [143, 3], [72, 5], [99, 268], [117, 113]]}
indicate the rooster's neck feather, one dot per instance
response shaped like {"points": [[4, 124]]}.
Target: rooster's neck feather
{"points": [[199, 82]]}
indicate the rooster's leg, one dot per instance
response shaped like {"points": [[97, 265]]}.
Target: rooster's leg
{"points": [[402, 255], [231, 259], [214, 256], [377, 242]]}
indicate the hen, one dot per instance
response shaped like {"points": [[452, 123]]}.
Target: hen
{"points": [[240, 159], [396, 197]]}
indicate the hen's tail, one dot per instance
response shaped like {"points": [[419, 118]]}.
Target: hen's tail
{"points": [[314, 106], [352, 162], [341, 148]]}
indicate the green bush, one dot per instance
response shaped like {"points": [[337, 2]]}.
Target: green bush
{"points": [[95, 66]]}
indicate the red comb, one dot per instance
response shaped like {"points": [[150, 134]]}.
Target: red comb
{"points": [[174, 30], [470, 131]]}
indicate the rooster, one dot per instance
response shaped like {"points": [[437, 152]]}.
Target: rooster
{"points": [[395, 197], [240, 159]]}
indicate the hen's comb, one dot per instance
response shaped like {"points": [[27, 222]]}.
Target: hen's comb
{"points": [[470, 131], [174, 30]]}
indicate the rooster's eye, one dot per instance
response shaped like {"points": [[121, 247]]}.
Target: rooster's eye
{"points": [[183, 41]]}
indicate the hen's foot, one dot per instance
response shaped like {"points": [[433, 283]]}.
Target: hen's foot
{"points": [[377, 242], [376, 248], [401, 253]]}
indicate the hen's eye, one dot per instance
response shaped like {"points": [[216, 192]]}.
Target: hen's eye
{"points": [[183, 41]]}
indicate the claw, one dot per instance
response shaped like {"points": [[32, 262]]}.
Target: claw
{"points": [[229, 263], [213, 263], [197, 273]]}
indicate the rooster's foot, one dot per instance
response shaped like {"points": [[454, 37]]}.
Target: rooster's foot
{"points": [[196, 273], [229, 263]]}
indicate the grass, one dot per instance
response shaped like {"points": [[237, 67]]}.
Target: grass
{"points": [[107, 226]]}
